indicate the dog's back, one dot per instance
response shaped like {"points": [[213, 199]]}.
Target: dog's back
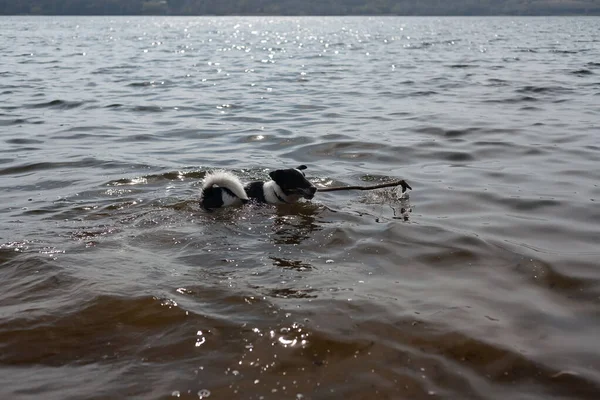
{"points": [[255, 190]]}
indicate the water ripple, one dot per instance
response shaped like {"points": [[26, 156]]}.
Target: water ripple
{"points": [[482, 282]]}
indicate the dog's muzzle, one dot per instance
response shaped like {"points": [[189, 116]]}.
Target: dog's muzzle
{"points": [[308, 193]]}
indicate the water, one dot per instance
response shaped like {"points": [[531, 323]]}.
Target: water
{"points": [[482, 284]]}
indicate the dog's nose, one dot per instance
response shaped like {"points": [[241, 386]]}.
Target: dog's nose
{"points": [[313, 190]]}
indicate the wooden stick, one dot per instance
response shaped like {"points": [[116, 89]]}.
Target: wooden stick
{"points": [[401, 182]]}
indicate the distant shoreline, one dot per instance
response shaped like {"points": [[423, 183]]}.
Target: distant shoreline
{"points": [[303, 15], [300, 8]]}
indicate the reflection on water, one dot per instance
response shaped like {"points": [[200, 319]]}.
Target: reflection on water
{"points": [[481, 283], [294, 223]]}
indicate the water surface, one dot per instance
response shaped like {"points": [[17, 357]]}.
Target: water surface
{"points": [[483, 283]]}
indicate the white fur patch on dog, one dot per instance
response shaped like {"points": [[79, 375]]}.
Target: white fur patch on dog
{"points": [[271, 190]]}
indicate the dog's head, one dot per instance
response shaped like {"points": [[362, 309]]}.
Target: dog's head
{"points": [[293, 182]]}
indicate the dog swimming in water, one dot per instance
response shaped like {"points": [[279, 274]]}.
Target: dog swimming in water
{"points": [[287, 186]]}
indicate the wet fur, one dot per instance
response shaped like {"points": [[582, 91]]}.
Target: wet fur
{"points": [[223, 189]]}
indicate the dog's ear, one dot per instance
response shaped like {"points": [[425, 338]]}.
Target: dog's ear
{"points": [[275, 175], [301, 167]]}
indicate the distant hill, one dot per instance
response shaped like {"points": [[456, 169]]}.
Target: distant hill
{"points": [[300, 7]]}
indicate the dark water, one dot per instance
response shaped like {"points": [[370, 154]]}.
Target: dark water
{"points": [[483, 284]]}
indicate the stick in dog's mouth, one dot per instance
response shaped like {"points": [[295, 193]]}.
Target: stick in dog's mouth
{"points": [[400, 182]]}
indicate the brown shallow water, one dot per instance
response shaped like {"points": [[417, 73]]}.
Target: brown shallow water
{"points": [[483, 283]]}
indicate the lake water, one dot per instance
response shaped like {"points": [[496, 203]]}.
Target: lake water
{"points": [[483, 283]]}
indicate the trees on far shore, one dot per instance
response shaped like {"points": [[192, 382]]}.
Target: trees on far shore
{"points": [[297, 7]]}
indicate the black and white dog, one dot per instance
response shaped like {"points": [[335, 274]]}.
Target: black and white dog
{"points": [[287, 186]]}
